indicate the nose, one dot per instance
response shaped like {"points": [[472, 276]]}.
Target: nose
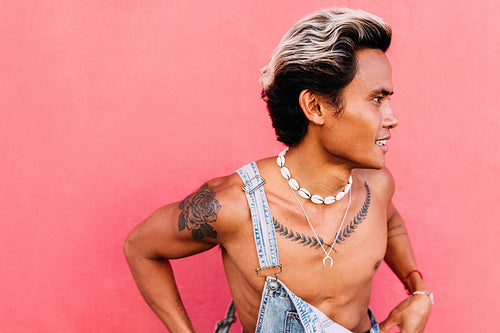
{"points": [[390, 119]]}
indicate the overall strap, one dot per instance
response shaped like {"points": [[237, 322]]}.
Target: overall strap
{"points": [[263, 230], [263, 227]]}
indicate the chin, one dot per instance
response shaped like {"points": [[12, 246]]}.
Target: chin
{"points": [[374, 167], [374, 164], [378, 162], [367, 160]]}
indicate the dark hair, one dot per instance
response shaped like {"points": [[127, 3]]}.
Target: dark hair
{"points": [[317, 53]]}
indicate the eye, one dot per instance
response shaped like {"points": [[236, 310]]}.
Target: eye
{"points": [[378, 99]]}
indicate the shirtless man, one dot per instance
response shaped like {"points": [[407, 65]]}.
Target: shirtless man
{"points": [[328, 207]]}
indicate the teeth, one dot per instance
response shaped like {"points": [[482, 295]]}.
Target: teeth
{"points": [[381, 142]]}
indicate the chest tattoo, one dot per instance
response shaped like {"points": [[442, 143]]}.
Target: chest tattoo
{"points": [[358, 219], [295, 236], [345, 233], [197, 211]]}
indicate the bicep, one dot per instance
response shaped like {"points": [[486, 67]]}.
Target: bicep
{"points": [[179, 229], [384, 183], [158, 237], [395, 223]]}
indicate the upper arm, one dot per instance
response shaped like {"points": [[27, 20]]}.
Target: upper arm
{"points": [[384, 183], [395, 224], [179, 229], [387, 183]]}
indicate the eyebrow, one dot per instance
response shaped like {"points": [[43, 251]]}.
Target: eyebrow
{"points": [[382, 91]]}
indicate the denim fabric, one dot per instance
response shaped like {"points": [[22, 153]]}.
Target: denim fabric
{"points": [[280, 309]]}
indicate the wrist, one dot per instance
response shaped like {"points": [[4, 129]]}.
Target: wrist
{"points": [[419, 292], [415, 283]]}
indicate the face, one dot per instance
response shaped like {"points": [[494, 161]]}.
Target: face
{"points": [[360, 133]]}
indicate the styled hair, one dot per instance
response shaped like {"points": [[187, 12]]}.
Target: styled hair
{"points": [[317, 53]]}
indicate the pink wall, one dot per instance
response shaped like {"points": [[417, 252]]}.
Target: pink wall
{"points": [[110, 109]]}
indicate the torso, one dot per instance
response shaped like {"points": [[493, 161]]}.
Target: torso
{"points": [[341, 292]]}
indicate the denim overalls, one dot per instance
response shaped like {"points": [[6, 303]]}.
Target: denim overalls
{"points": [[280, 309]]}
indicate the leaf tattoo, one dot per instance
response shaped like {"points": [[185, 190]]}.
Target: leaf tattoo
{"points": [[358, 219], [294, 236], [309, 241]]}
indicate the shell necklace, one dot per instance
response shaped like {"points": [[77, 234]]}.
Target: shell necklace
{"points": [[294, 185]]}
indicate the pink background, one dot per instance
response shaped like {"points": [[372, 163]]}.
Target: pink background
{"points": [[110, 109]]}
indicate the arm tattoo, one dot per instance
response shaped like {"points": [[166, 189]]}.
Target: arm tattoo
{"points": [[394, 231], [347, 231], [180, 306], [395, 227], [197, 211], [400, 234]]}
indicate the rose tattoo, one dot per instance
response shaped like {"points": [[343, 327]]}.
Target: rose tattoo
{"points": [[197, 211]]}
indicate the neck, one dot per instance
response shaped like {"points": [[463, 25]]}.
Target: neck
{"points": [[317, 170]]}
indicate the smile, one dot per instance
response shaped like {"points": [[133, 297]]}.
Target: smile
{"points": [[380, 142]]}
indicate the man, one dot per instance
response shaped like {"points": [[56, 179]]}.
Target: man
{"points": [[302, 234]]}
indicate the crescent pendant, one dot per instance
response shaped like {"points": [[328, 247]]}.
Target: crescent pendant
{"points": [[325, 261]]}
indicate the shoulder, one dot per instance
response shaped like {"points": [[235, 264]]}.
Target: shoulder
{"points": [[380, 180], [230, 188], [222, 202], [227, 189], [222, 194], [227, 193]]}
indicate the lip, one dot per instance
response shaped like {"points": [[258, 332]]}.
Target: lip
{"points": [[383, 147], [383, 138]]}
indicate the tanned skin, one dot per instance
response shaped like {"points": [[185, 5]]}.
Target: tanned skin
{"points": [[333, 148]]}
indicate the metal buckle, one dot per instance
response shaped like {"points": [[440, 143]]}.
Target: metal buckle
{"points": [[257, 270], [261, 181]]}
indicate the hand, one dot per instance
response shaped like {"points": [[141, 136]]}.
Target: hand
{"points": [[410, 315]]}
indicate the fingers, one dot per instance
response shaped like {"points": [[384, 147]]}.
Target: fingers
{"points": [[387, 324]]}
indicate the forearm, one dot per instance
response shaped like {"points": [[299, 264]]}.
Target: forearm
{"points": [[412, 313], [399, 254], [156, 283]]}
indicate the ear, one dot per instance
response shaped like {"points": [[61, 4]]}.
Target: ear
{"points": [[310, 105]]}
